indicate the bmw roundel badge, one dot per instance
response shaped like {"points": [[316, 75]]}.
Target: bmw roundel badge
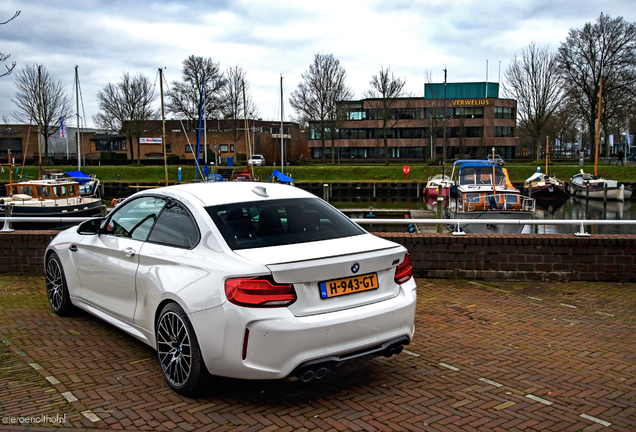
{"points": [[355, 268]]}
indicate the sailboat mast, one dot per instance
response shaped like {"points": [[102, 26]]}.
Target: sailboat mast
{"points": [[40, 116], [247, 144], [163, 124], [546, 155], [282, 155], [598, 126], [79, 153]]}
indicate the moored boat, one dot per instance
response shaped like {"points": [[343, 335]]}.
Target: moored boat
{"points": [[47, 198], [541, 186], [483, 191], [433, 184], [88, 184], [587, 185]]}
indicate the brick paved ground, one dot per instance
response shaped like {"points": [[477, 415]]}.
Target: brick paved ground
{"points": [[486, 356]]}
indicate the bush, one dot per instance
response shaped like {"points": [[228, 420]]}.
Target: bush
{"points": [[108, 156]]}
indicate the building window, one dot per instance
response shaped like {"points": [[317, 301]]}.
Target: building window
{"points": [[504, 132], [190, 149], [468, 112], [354, 133], [466, 132], [314, 131], [232, 148], [504, 113], [110, 145], [356, 115], [14, 144], [410, 133], [223, 148]]}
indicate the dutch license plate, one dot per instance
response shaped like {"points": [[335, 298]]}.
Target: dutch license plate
{"points": [[338, 287]]}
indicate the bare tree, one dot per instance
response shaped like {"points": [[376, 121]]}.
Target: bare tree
{"points": [[317, 97], [434, 115], [184, 97], [605, 49], [533, 79], [339, 95], [233, 107], [40, 97], [4, 57], [127, 107], [387, 89]]}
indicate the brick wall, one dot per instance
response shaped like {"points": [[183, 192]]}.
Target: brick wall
{"points": [[22, 252], [558, 257], [525, 257]]}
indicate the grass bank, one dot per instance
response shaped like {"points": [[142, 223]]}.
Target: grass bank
{"points": [[325, 173]]}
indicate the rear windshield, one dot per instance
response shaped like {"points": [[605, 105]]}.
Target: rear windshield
{"points": [[257, 224]]}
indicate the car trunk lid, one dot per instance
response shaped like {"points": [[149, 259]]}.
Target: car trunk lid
{"points": [[353, 271]]}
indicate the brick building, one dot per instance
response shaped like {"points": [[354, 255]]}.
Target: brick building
{"points": [[477, 120], [181, 141]]}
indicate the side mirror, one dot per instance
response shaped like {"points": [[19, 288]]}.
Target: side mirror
{"points": [[90, 227]]}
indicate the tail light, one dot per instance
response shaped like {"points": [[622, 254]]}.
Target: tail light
{"points": [[404, 271], [259, 292]]}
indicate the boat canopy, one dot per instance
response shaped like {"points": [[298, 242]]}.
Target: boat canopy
{"points": [[79, 176], [280, 176], [477, 173], [535, 176]]}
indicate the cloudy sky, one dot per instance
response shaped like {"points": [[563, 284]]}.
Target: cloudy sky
{"points": [[274, 38]]}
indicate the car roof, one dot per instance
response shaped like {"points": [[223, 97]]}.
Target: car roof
{"points": [[215, 193]]}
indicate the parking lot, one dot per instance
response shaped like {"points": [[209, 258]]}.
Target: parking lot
{"points": [[486, 356]]}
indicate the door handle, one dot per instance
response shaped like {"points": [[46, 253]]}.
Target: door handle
{"points": [[129, 252], [73, 248]]}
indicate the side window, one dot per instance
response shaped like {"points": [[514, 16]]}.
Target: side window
{"points": [[175, 227], [135, 219]]}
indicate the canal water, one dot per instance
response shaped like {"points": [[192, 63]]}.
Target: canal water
{"points": [[571, 208]]}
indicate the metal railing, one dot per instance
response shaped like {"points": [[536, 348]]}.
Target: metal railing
{"points": [[581, 223]]}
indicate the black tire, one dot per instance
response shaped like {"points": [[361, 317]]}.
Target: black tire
{"points": [[56, 287], [178, 351]]}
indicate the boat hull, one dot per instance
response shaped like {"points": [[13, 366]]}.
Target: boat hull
{"points": [[433, 192], [546, 192], [491, 228], [85, 209], [613, 193]]}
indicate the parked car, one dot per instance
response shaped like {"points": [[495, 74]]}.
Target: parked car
{"points": [[498, 160], [237, 279], [256, 160]]}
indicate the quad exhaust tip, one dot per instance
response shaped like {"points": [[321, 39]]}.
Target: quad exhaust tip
{"points": [[316, 372], [392, 350], [319, 371]]}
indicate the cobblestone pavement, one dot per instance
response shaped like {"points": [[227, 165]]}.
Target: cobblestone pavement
{"points": [[486, 356]]}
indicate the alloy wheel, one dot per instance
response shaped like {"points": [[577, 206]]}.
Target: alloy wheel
{"points": [[54, 284], [174, 348]]}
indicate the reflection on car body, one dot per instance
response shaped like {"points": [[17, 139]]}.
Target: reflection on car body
{"points": [[225, 279]]}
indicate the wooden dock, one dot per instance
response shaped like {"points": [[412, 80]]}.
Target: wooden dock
{"points": [[426, 214]]}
